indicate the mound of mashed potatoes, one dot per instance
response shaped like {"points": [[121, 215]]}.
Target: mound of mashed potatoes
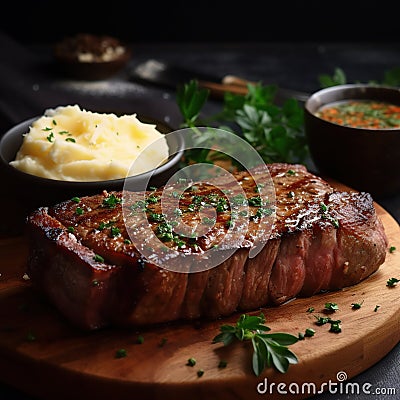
{"points": [[70, 143]]}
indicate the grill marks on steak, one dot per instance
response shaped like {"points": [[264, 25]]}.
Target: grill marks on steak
{"points": [[320, 240]]}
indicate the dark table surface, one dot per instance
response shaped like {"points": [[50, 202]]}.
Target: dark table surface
{"points": [[29, 84]]}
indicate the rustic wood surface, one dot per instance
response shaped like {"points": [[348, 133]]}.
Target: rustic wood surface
{"points": [[40, 353]]}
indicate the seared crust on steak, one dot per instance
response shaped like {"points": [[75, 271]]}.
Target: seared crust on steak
{"points": [[83, 258]]}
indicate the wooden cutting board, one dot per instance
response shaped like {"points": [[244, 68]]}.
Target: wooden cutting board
{"points": [[42, 354]]}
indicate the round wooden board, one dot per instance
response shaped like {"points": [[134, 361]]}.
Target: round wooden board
{"points": [[65, 363]]}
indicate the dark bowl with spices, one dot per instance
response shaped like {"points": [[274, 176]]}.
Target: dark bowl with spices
{"points": [[353, 133], [23, 192]]}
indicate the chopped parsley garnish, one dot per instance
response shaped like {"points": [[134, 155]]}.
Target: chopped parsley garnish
{"points": [[104, 225], [71, 229], [269, 349], [140, 339], [392, 249], [208, 221], [79, 211], [152, 199], [191, 362], [331, 307], [177, 212], [261, 212], [121, 353], [356, 306], [392, 282], [335, 326], [139, 205], [76, 199], [111, 201], [310, 309], [114, 231], [50, 137], [377, 308], [255, 201], [156, 217], [324, 209], [309, 332], [175, 195], [322, 320], [200, 373], [98, 258], [70, 139]]}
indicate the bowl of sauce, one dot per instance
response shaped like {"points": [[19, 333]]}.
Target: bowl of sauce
{"points": [[353, 133], [366, 114]]}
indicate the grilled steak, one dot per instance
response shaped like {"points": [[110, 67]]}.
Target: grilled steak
{"points": [[83, 257]]}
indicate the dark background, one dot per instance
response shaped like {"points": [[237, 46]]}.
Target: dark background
{"points": [[204, 20]]}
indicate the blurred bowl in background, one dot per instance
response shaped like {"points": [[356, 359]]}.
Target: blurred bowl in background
{"points": [[91, 57], [366, 159]]}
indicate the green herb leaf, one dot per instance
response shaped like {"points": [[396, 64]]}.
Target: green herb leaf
{"points": [[191, 99], [121, 353], [50, 137], [331, 306], [338, 78], [98, 258], [392, 282], [191, 362], [269, 349], [392, 77], [111, 201], [277, 133], [356, 306]]}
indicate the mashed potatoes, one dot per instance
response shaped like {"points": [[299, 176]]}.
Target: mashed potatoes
{"points": [[68, 143]]}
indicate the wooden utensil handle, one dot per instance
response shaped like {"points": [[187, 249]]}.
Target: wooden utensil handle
{"points": [[219, 89], [236, 81]]}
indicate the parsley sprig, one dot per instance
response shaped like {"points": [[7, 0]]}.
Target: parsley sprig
{"points": [[269, 349], [391, 78], [276, 132]]}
